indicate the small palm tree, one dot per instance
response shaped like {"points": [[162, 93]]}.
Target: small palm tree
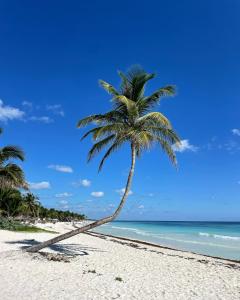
{"points": [[11, 175], [30, 205], [130, 121]]}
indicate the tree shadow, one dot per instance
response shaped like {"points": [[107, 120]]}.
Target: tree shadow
{"points": [[66, 249]]}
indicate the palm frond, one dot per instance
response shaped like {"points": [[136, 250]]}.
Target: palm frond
{"points": [[88, 120], [90, 132], [128, 103], [107, 130], [9, 152], [134, 81], [113, 148], [108, 88], [166, 133], [154, 118], [97, 147], [168, 150], [144, 139], [138, 85], [150, 101], [12, 175]]}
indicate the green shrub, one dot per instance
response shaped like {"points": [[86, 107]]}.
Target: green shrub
{"points": [[7, 224]]}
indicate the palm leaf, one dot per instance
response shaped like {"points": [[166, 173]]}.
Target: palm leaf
{"points": [[97, 147], [113, 148], [154, 118], [9, 152], [150, 101], [108, 88]]}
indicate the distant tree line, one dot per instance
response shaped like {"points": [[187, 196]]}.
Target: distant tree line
{"points": [[13, 203]]}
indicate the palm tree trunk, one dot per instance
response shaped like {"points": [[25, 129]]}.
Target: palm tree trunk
{"points": [[96, 223]]}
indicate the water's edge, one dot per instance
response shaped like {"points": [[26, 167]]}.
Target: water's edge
{"points": [[216, 239], [98, 234]]}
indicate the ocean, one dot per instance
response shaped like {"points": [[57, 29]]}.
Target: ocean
{"points": [[220, 239]]}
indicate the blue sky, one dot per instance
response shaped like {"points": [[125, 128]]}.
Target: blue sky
{"points": [[52, 55]]}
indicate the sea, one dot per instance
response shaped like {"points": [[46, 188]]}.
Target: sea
{"points": [[221, 239]]}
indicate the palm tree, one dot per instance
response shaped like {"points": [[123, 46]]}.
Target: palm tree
{"points": [[11, 175], [10, 202], [30, 205], [130, 121]]}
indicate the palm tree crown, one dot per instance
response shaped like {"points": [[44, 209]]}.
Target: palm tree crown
{"points": [[11, 175], [132, 119]]}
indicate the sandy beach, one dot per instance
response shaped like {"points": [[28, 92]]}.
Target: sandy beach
{"points": [[100, 267]]}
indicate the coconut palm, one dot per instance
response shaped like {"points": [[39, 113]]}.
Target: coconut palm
{"points": [[11, 175], [10, 202], [131, 121], [30, 205]]}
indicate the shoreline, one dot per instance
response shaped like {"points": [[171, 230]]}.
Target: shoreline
{"points": [[101, 267], [162, 247]]}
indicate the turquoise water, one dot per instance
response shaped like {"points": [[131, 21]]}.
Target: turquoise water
{"points": [[211, 238]]}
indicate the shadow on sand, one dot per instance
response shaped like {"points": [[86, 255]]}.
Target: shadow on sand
{"points": [[65, 249]]}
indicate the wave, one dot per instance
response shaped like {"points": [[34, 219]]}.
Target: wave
{"points": [[138, 231], [218, 236]]}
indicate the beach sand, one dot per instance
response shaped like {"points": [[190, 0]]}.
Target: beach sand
{"points": [[92, 265]]}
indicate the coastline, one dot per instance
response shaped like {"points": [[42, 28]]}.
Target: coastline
{"points": [[94, 261], [98, 234], [206, 238]]}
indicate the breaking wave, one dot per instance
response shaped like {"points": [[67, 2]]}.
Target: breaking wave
{"points": [[218, 236]]}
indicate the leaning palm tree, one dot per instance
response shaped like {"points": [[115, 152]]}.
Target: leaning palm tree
{"points": [[131, 121], [11, 175]]}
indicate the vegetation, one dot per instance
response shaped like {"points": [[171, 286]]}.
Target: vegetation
{"points": [[60, 215], [13, 225], [17, 206], [13, 204], [11, 175], [131, 121]]}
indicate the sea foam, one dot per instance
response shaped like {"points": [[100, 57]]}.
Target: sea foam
{"points": [[218, 236]]}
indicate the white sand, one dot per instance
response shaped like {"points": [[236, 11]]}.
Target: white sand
{"points": [[148, 272]]}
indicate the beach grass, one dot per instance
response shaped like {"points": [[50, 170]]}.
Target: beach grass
{"points": [[13, 225]]}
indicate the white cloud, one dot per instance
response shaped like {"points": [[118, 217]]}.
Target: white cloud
{"points": [[141, 206], [122, 191], [27, 104], [43, 119], [63, 202], [60, 168], [43, 185], [10, 113], [83, 182], [56, 109], [63, 195], [236, 131], [184, 145], [97, 194]]}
